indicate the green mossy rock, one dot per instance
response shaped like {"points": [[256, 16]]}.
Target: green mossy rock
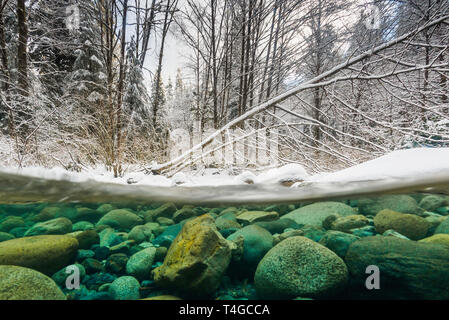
{"points": [[19, 283], [399, 203], [409, 225], [408, 269], [301, 267], [314, 214], [46, 254]]}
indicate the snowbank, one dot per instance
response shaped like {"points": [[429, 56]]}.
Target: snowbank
{"points": [[395, 165]]}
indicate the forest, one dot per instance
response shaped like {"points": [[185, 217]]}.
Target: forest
{"points": [[323, 83]]}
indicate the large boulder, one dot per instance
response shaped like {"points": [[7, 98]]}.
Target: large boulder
{"points": [[46, 254], [314, 214], [399, 203], [299, 267], [196, 260], [54, 226], [409, 225], [408, 269], [120, 219], [256, 243], [19, 283]]}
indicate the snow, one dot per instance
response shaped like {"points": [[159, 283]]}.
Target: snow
{"points": [[421, 162], [395, 165]]}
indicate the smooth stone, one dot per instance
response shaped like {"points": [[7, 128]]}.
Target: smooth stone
{"points": [[437, 238], [257, 216], [125, 288], [256, 243], [6, 236], [140, 234], [139, 264], [301, 267], [433, 202], [109, 238], [166, 210], [166, 238], [86, 239], [87, 214], [443, 227], [55, 226], [120, 219], [345, 224], [46, 253], [82, 226], [409, 225], [92, 265], [392, 233], [116, 263], [399, 203], [19, 283], [84, 254], [163, 221], [338, 241], [185, 212], [278, 226], [105, 208], [408, 269], [11, 222], [223, 222], [314, 214]]}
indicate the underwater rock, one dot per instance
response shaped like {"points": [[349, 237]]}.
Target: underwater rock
{"points": [[278, 226], [105, 208], [366, 231], [287, 234], [166, 238], [313, 233], [196, 260], [47, 213], [60, 277], [224, 222], [440, 238], [256, 243], [399, 203], [408, 269], [327, 223], [257, 216], [92, 265], [46, 253], [109, 238], [84, 254], [314, 214], [409, 225], [120, 219], [166, 210], [139, 264], [163, 221], [11, 222], [433, 202], [86, 239], [4, 236], [345, 224], [140, 233], [87, 214], [280, 208], [392, 233], [116, 263], [82, 226], [185, 212], [299, 267], [125, 288], [19, 283], [338, 241], [443, 227], [54, 226]]}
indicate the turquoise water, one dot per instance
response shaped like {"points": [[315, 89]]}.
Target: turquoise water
{"points": [[384, 246]]}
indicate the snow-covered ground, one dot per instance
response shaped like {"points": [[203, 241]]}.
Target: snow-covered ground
{"points": [[396, 165]]}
